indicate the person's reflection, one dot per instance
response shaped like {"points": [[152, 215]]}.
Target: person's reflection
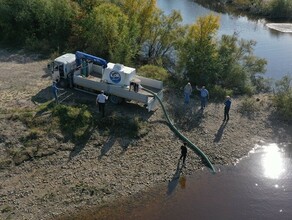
{"points": [[182, 182]]}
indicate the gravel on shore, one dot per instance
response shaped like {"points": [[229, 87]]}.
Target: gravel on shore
{"points": [[108, 167]]}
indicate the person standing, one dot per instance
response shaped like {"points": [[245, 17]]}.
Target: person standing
{"points": [[187, 92], [227, 104], [100, 101], [55, 91], [204, 96], [184, 152]]}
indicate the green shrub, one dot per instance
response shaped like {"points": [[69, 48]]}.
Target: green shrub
{"points": [[219, 93], [248, 105], [33, 44], [248, 90], [284, 105], [123, 126], [74, 121], [37, 24], [242, 3], [262, 84], [280, 9], [154, 72], [283, 97]]}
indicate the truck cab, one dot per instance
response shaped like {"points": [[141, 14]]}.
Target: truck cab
{"points": [[62, 66]]}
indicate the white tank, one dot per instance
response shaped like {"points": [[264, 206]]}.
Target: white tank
{"points": [[118, 74]]}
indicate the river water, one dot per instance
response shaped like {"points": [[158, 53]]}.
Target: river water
{"points": [[274, 46], [258, 187]]}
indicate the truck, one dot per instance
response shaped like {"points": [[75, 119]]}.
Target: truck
{"points": [[93, 74]]}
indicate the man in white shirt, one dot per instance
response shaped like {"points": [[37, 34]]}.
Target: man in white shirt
{"points": [[100, 101]]}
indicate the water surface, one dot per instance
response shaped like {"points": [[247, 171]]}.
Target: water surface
{"points": [[258, 187], [274, 46]]}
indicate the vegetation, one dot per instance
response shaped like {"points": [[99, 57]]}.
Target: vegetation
{"points": [[197, 50], [283, 97], [108, 33], [74, 121], [279, 9], [154, 72], [37, 24], [137, 33], [273, 9], [65, 123], [228, 63], [249, 106], [122, 126]]}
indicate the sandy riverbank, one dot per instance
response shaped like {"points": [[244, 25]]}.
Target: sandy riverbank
{"points": [[107, 167]]}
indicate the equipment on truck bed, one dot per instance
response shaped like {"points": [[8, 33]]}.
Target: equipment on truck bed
{"points": [[93, 74]]}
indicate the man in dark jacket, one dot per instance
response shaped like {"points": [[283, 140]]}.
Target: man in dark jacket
{"points": [[227, 104], [184, 152]]}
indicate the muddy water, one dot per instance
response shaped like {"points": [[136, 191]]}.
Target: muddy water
{"points": [[258, 187]]}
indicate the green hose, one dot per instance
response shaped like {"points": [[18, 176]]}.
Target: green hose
{"points": [[185, 139]]}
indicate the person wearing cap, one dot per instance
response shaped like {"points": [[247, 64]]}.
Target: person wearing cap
{"points": [[204, 96], [227, 104], [187, 92], [55, 90], [100, 101]]}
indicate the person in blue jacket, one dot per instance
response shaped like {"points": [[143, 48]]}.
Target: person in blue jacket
{"points": [[55, 90], [204, 96], [227, 104]]}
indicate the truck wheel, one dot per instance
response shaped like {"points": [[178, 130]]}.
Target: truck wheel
{"points": [[115, 99]]}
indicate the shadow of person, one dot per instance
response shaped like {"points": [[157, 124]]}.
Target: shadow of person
{"points": [[220, 131], [175, 179], [80, 144], [42, 96], [106, 147]]}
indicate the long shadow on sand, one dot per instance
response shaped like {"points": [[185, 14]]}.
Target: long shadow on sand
{"points": [[107, 146], [220, 132], [175, 179]]}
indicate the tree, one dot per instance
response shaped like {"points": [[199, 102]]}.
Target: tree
{"points": [[142, 14], [238, 67], [283, 97], [228, 63], [159, 47], [197, 50], [36, 23], [280, 9], [88, 5], [154, 72], [107, 34]]}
